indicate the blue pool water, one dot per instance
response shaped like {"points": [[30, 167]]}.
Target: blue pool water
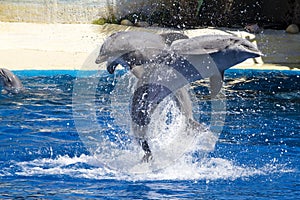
{"points": [[45, 154]]}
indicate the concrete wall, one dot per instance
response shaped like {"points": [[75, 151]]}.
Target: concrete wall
{"points": [[52, 11], [218, 13]]}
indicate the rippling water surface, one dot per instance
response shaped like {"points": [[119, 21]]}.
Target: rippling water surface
{"points": [[44, 154]]}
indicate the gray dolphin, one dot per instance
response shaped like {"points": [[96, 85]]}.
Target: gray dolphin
{"points": [[164, 68], [10, 82], [134, 62]]}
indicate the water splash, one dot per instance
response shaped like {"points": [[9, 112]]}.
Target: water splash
{"points": [[174, 146], [84, 166]]}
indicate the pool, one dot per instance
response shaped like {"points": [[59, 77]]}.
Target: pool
{"points": [[43, 153]]}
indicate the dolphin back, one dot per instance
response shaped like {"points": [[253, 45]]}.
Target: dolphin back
{"points": [[208, 44]]}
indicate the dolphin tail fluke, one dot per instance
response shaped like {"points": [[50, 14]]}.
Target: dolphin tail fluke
{"points": [[148, 155]]}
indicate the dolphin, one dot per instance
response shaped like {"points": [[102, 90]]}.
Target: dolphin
{"points": [[165, 67], [10, 82], [134, 61]]}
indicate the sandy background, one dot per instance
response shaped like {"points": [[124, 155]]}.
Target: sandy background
{"points": [[46, 46], [74, 46]]}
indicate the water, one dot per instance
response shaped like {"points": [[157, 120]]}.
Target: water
{"points": [[44, 152]]}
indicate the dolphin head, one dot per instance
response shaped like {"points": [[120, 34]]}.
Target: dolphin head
{"points": [[236, 51], [129, 49], [134, 48], [10, 81], [244, 49]]}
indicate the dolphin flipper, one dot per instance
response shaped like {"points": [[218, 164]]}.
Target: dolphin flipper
{"points": [[216, 83]]}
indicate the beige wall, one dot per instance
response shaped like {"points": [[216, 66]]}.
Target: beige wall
{"points": [[51, 11], [85, 11]]}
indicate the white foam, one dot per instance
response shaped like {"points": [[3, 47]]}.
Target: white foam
{"points": [[170, 137], [182, 169]]}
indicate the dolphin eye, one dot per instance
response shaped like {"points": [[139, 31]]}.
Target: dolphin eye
{"points": [[5, 77], [9, 80]]}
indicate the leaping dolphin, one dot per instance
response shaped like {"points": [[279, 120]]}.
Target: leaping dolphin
{"points": [[166, 68], [10, 82], [134, 62]]}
